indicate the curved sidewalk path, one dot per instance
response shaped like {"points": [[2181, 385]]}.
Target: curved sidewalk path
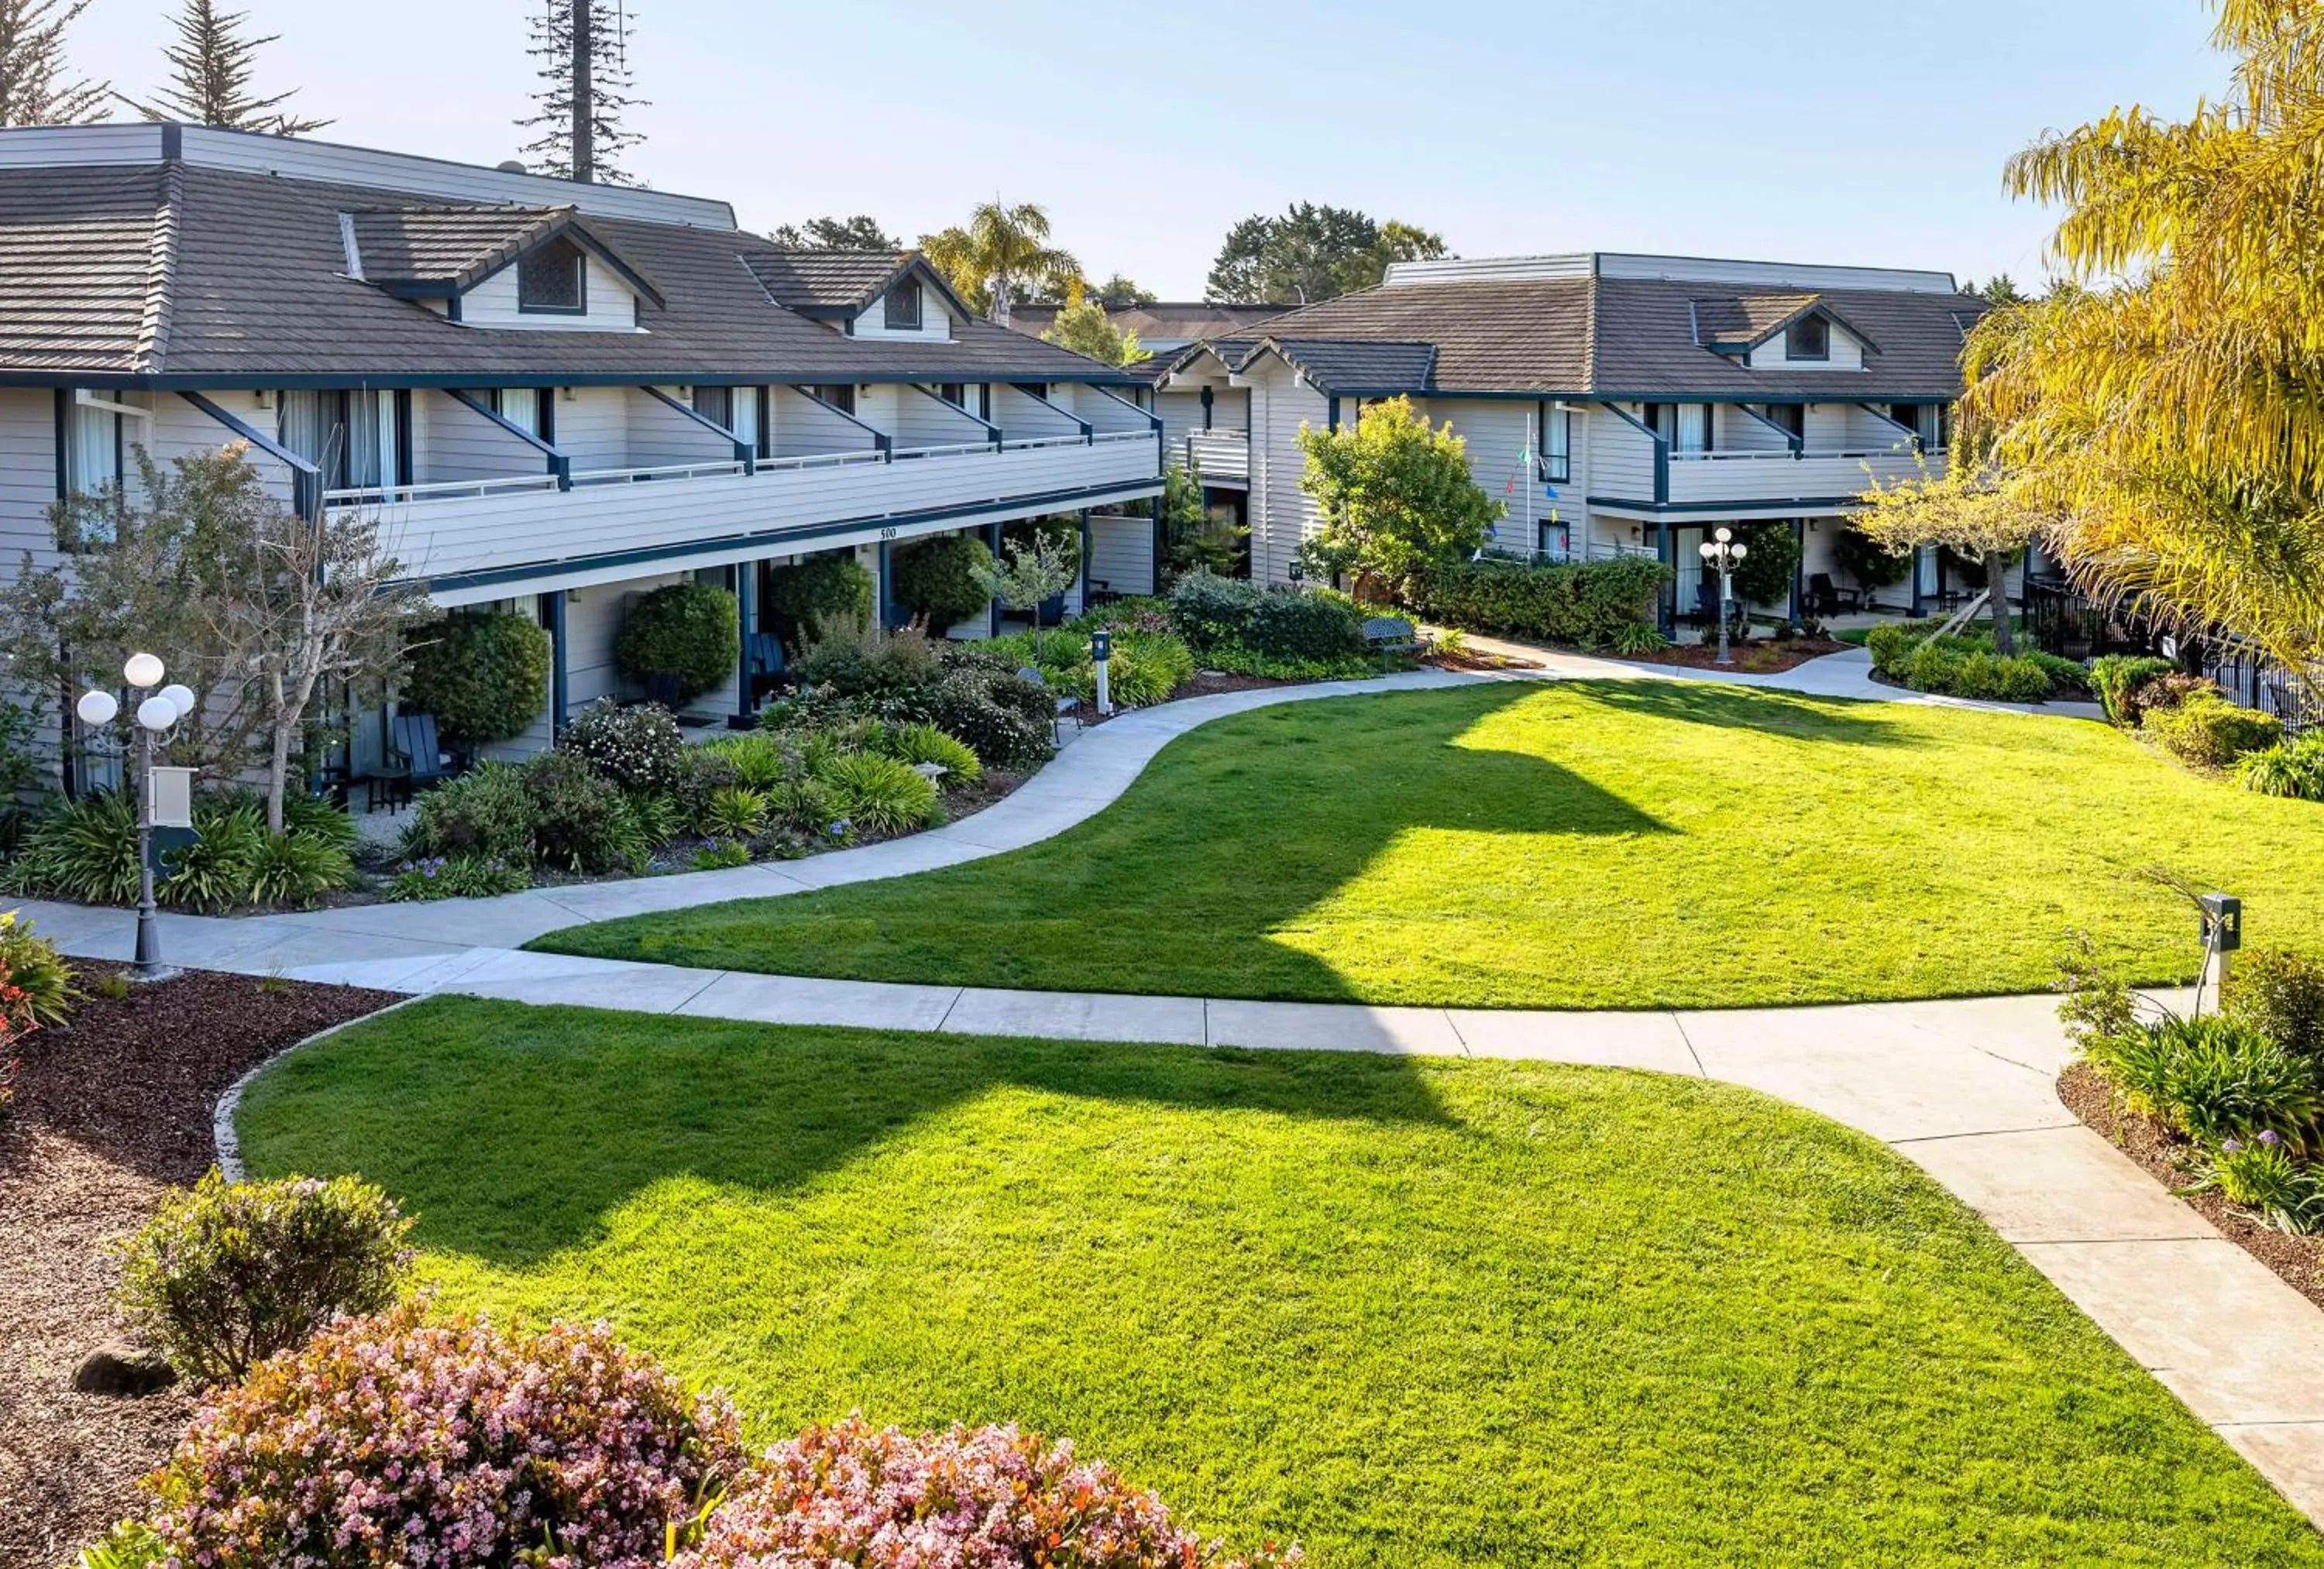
{"points": [[1964, 1088]]}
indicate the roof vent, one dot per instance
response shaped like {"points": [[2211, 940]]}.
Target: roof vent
{"points": [[511, 166]]}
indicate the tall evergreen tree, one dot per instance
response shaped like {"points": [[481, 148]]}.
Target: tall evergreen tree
{"points": [[36, 86], [861, 233], [586, 45], [210, 67]]}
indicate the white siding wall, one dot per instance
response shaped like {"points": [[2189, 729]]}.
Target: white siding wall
{"points": [[1282, 515], [1622, 457], [28, 475], [661, 435], [922, 419], [1121, 554], [935, 321], [1739, 432], [612, 307], [1870, 432], [451, 441], [1846, 355], [593, 428]]}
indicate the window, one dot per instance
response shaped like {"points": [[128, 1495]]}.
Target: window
{"points": [[552, 280], [1557, 447], [1810, 338], [904, 306], [1693, 428], [526, 407], [1790, 417], [840, 398], [715, 404], [1931, 422], [954, 392], [748, 418]]}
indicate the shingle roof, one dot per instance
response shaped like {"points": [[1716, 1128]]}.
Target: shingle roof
{"points": [[1357, 366], [812, 281], [1165, 321], [78, 254], [1614, 338], [452, 245], [249, 279]]}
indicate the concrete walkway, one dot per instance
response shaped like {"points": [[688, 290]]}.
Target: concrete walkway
{"points": [[1963, 1088]]}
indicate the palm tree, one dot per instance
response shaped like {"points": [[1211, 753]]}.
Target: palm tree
{"points": [[998, 249], [2165, 407]]}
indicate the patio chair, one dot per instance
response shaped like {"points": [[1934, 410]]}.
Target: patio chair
{"points": [[762, 661], [1826, 599], [415, 760]]}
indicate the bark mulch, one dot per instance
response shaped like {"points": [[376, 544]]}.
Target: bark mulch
{"points": [[110, 1111], [1750, 658], [2170, 1160]]}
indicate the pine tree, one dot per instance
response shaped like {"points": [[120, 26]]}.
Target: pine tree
{"points": [[34, 89], [587, 45], [210, 66]]}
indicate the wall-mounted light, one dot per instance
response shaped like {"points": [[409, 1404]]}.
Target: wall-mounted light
{"points": [[568, 394], [265, 399]]}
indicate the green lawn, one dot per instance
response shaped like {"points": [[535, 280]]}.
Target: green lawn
{"points": [[1412, 1312], [1577, 844]]}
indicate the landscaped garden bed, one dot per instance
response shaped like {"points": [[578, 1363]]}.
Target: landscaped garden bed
{"points": [[1407, 1312], [111, 1108], [1620, 843]]}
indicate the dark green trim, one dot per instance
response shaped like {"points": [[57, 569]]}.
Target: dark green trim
{"points": [[786, 541], [306, 479], [561, 465], [561, 680], [744, 452], [1818, 504]]}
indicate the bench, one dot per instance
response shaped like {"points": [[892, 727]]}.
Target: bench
{"points": [[1389, 636]]}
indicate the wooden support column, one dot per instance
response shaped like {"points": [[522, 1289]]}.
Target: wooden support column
{"points": [[993, 542], [560, 684], [1085, 558], [746, 602], [1799, 568]]}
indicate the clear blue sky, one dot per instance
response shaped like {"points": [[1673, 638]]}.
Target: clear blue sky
{"points": [[1816, 130]]}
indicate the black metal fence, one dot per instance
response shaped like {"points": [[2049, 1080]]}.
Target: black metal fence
{"points": [[2062, 620]]}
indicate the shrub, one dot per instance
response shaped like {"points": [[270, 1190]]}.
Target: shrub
{"points": [[889, 673], [639, 748], [1633, 638], [1965, 666], [936, 579], [1582, 605], [2167, 690], [1766, 577], [757, 758], [2213, 1079], [1131, 614], [128, 1546], [926, 744], [2068, 677], [1008, 721], [456, 878], [702, 772], [878, 796], [2280, 995], [484, 676], [296, 868], [2210, 732], [735, 813], [486, 812], [1144, 667], [818, 591], [688, 634], [2263, 1175], [1214, 612], [215, 872], [887, 1500], [2115, 676], [226, 1275], [396, 1440], [580, 820], [1869, 564], [721, 855], [2294, 770], [30, 965], [312, 817], [84, 850]]}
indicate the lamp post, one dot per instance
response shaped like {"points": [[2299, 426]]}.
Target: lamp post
{"points": [[1722, 551], [157, 712]]}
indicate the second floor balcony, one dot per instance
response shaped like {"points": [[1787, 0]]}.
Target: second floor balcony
{"points": [[1221, 457], [1842, 452]]}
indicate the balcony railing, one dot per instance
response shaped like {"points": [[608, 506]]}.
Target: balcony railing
{"points": [[1754, 477], [1220, 456], [462, 527]]}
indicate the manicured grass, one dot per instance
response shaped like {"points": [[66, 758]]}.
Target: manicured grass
{"points": [[1578, 844], [1412, 1312]]}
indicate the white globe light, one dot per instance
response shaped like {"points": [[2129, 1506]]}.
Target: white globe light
{"points": [[1738, 551], [142, 670], [157, 713], [181, 696], [1708, 549], [96, 708], [1724, 535]]}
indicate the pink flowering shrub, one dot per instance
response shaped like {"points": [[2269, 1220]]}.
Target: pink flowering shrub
{"points": [[991, 1498], [453, 1445]]}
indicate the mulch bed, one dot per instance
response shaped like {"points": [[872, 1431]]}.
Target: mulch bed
{"points": [[2170, 1160], [111, 1110], [1750, 658]]}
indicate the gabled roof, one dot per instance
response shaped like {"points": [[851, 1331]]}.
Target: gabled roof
{"points": [[1356, 367], [184, 274], [1739, 324], [838, 285], [431, 251], [1631, 338]]}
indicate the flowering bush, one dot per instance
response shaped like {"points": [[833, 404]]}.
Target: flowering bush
{"points": [[456, 878], [226, 1275], [641, 749], [449, 1445], [989, 1497]]}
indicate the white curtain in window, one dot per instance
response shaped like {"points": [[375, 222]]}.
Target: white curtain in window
{"points": [[520, 407], [1557, 444], [1693, 427], [93, 455], [745, 421]]}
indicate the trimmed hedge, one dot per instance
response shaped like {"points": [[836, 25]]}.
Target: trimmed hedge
{"points": [[936, 579], [1583, 604], [688, 633], [1214, 613], [2115, 676], [484, 677], [2210, 732], [817, 591]]}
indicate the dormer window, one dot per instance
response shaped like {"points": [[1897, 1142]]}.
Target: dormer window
{"points": [[552, 280], [1810, 338], [904, 306]]}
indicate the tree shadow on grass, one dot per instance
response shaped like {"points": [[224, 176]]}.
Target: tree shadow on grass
{"points": [[1844, 721], [514, 1132], [1235, 834]]}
